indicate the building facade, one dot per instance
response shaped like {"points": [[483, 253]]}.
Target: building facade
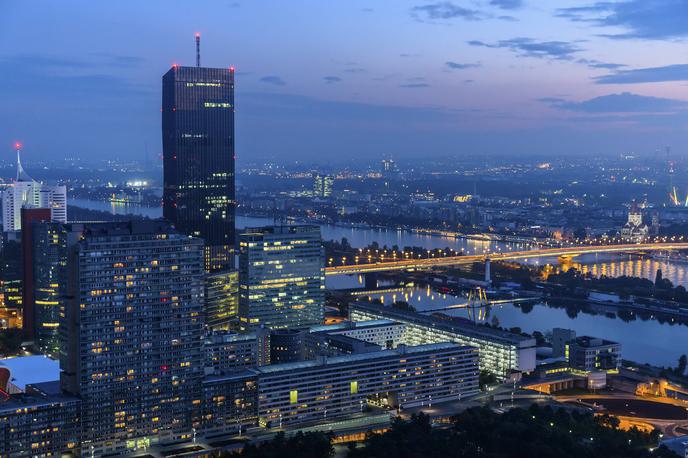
{"points": [[385, 333], [132, 333], [282, 277], [593, 354], [39, 424], [322, 185], [221, 299], [307, 391], [501, 352], [198, 158], [45, 246], [27, 192], [226, 352]]}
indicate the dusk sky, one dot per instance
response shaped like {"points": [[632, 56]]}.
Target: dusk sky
{"points": [[329, 80]]}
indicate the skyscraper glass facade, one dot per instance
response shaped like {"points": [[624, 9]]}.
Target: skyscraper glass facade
{"points": [[281, 277], [198, 156]]}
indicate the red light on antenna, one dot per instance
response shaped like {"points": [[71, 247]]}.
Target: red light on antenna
{"points": [[231, 69], [198, 35], [17, 145]]}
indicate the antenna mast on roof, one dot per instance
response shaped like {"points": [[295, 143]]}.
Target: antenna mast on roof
{"points": [[198, 49]]}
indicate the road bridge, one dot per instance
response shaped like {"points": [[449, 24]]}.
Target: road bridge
{"points": [[450, 261]]}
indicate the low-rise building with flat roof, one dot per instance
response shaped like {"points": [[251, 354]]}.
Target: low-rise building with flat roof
{"points": [[501, 352], [316, 390]]}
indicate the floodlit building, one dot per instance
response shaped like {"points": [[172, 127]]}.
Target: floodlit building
{"points": [[222, 299], [322, 185], [27, 192], [384, 333], [306, 391], [635, 230], [501, 352], [281, 277]]}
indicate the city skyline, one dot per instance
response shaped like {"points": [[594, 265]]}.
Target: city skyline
{"points": [[411, 78], [443, 230]]}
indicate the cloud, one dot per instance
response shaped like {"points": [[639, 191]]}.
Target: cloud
{"points": [[625, 102], [507, 4], [414, 85], [274, 80], [648, 19], [443, 11], [527, 47], [677, 72], [592, 63], [332, 79], [458, 66]]}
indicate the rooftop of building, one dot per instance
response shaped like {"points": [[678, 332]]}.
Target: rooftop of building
{"points": [[132, 227], [25, 370], [220, 336], [238, 375], [347, 325], [358, 357], [464, 327], [590, 342], [282, 229], [28, 401]]}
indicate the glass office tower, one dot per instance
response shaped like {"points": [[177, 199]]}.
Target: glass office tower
{"points": [[281, 277], [198, 158]]}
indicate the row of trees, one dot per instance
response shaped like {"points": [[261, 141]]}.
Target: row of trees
{"points": [[481, 432]]}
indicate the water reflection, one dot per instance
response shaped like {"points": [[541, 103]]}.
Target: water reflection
{"points": [[644, 339], [616, 265]]}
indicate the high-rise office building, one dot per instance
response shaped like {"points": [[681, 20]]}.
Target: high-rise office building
{"points": [[198, 158], [221, 299], [44, 258], [281, 277], [11, 290], [322, 185], [132, 333], [27, 192]]}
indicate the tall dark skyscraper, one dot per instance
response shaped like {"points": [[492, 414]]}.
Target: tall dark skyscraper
{"points": [[198, 150]]}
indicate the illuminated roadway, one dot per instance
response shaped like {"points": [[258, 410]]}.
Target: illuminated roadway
{"points": [[501, 256]]}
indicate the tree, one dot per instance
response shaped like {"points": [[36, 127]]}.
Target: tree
{"points": [[658, 277], [486, 378], [403, 305], [580, 233], [535, 432], [302, 445], [682, 363], [10, 341], [495, 321]]}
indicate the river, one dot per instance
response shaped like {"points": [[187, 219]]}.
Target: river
{"points": [[643, 341]]}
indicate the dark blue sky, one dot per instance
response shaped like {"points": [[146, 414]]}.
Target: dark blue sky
{"points": [[337, 79]]}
